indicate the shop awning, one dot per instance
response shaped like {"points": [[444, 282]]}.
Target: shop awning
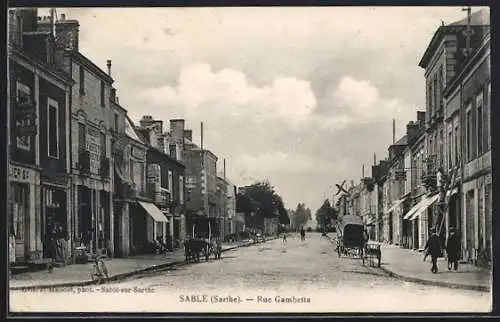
{"points": [[154, 211], [450, 193], [426, 204], [414, 209], [396, 204]]}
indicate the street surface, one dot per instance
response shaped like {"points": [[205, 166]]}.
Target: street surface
{"points": [[303, 276]]}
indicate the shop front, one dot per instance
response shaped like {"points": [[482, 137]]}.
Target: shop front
{"points": [[25, 242], [146, 223]]}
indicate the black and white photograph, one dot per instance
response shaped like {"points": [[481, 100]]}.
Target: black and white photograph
{"points": [[249, 159]]}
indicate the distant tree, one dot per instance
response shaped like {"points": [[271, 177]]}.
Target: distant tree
{"points": [[325, 215], [259, 201], [301, 215]]}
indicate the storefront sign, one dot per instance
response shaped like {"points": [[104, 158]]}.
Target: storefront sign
{"points": [[190, 182], [138, 153], [20, 174], [94, 147]]}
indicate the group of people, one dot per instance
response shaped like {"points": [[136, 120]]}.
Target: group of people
{"points": [[302, 236], [433, 249]]}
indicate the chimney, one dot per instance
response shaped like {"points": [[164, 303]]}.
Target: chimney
{"points": [[374, 159], [188, 134], [224, 169], [146, 120], [421, 117], [202, 136], [67, 33], [177, 130], [393, 131], [108, 63], [362, 171], [63, 16], [411, 130], [29, 18]]}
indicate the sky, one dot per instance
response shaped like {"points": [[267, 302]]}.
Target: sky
{"points": [[302, 97]]}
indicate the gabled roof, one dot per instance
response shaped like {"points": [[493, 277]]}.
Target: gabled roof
{"points": [[130, 130], [402, 141]]}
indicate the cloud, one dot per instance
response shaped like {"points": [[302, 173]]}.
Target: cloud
{"points": [[201, 92]]}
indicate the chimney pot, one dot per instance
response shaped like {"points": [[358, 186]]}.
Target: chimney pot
{"points": [[63, 16], [108, 63]]}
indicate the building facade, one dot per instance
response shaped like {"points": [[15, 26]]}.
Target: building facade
{"points": [[468, 111], [38, 143]]}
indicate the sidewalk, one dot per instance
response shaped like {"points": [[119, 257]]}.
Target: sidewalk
{"points": [[409, 266], [119, 268]]}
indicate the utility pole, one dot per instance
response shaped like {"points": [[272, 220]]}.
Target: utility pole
{"points": [[468, 32]]}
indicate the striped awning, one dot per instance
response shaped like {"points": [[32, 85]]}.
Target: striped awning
{"points": [[394, 205], [425, 205], [414, 209]]}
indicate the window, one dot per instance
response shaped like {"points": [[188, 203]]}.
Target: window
{"points": [[450, 147], [172, 150], [103, 101], [486, 122], [82, 136], [23, 95], [82, 80], [436, 95], [103, 144], [430, 98], [479, 107], [131, 164], [181, 189], [468, 134], [19, 31], [456, 141], [170, 185], [53, 128], [441, 155], [116, 122]]}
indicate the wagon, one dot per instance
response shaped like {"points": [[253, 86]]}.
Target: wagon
{"points": [[194, 248], [350, 239]]}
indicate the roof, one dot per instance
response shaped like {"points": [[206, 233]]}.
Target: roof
{"points": [[402, 141], [130, 130], [478, 18], [89, 64]]}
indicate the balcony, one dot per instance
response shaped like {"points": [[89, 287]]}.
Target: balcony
{"points": [[84, 160]]}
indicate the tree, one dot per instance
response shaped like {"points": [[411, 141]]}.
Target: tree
{"points": [[325, 215], [259, 201], [301, 215]]}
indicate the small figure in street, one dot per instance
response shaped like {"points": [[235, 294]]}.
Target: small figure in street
{"points": [[302, 234], [453, 249], [433, 248], [284, 240]]}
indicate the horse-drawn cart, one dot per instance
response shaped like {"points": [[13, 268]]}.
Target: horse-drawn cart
{"points": [[350, 237], [194, 248]]}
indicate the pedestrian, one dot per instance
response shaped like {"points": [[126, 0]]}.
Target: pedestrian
{"points": [[433, 248], [284, 239], [453, 249]]}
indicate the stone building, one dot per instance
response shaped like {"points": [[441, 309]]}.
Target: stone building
{"points": [[468, 125], [39, 197], [165, 175], [445, 57]]}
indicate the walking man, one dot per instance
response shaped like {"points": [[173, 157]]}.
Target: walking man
{"points": [[433, 248], [453, 249]]}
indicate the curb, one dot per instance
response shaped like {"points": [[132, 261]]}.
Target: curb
{"points": [[122, 276], [422, 281]]}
